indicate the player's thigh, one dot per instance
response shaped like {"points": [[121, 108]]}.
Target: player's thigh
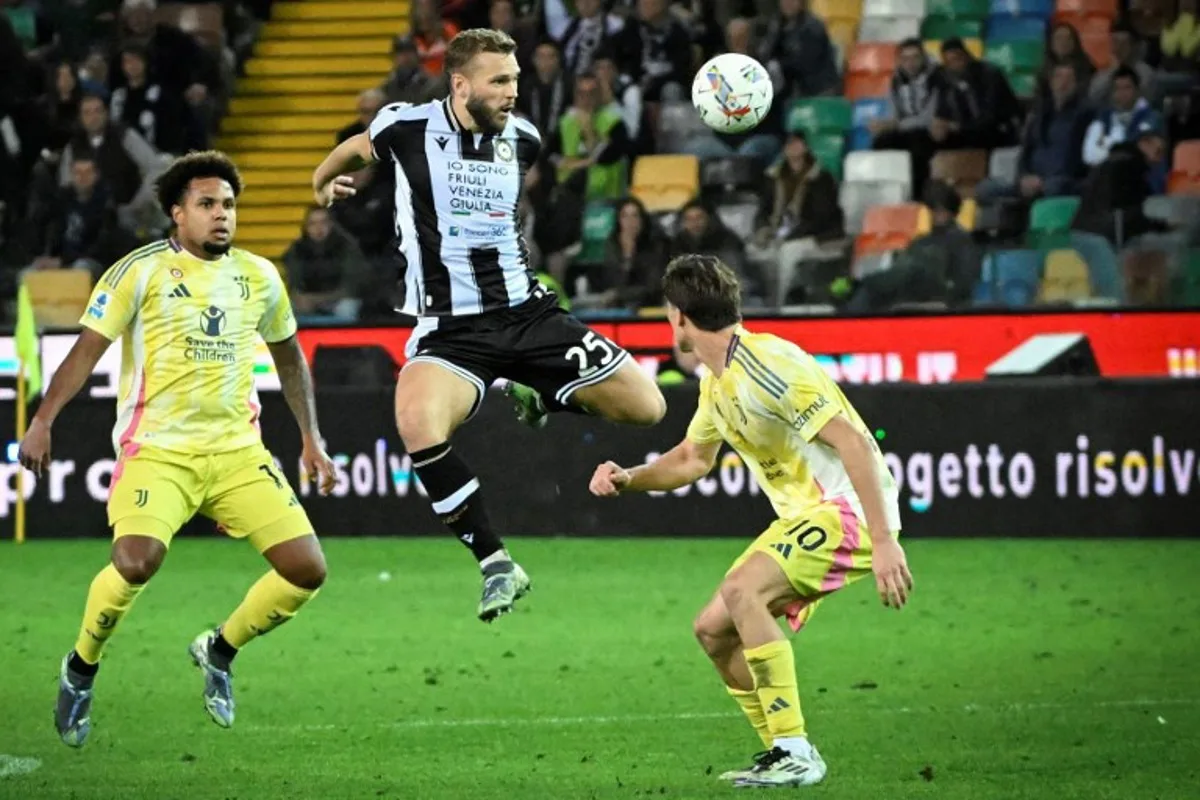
{"points": [[819, 551], [432, 400], [153, 493], [249, 498], [567, 362]]}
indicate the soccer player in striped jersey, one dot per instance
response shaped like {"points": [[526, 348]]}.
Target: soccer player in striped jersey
{"points": [[460, 167], [839, 516], [189, 311]]}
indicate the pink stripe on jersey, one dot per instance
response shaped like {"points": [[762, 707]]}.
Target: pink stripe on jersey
{"points": [[139, 407], [128, 451], [255, 411], [843, 557]]}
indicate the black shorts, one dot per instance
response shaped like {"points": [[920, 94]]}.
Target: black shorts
{"points": [[536, 344]]}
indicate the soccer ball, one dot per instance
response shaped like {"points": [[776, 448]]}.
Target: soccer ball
{"points": [[732, 93]]}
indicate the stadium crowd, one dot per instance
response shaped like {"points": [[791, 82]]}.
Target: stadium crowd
{"points": [[950, 158]]}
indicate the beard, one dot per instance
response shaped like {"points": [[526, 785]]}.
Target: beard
{"points": [[484, 117], [215, 248]]}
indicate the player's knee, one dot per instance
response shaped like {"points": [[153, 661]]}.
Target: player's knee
{"points": [[418, 425], [137, 558], [711, 638], [309, 575], [647, 408], [739, 593]]}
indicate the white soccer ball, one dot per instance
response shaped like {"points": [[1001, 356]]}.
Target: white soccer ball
{"points": [[732, 93]]}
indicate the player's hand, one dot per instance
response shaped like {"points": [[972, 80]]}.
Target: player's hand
{"points": [[317, 464], [337, 189], [34, 453], [608, 480], [892, 578]]}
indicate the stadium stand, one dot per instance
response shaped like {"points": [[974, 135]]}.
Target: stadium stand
{"points": [[275, 85]]}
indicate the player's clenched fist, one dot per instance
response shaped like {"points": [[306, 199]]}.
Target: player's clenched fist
{"points": [[337, 189], [34, 453], [608, 480]]}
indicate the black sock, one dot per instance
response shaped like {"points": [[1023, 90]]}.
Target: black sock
{"points": [[81, 667], [222, 652], [454, 493]]}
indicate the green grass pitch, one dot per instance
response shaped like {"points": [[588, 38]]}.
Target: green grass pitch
{"points": [[1038, 669]]}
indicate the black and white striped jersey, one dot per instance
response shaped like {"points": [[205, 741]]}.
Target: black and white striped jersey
{"points": [[457, 194]]}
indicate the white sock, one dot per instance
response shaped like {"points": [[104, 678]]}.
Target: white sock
{"points": [[499, 555], [796, 745]]}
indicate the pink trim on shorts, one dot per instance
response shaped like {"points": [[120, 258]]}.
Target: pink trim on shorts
{"points": [[255, 411], [843, 557]]}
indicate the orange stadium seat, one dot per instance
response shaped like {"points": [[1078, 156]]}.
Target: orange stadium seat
{"points": [[865, 85], [665, 182], [59, 296], [1185, 172], [1096, 39], [1068, 9], [868, 243], [872, 58], [900, 218]]}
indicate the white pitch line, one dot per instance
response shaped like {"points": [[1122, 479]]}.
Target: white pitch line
{"points": [[513, 722], [11, 766]]}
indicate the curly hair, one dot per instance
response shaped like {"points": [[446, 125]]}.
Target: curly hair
{"points": [[172, 185]]}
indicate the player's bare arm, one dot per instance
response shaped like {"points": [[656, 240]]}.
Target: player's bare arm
{"points": [[683, 464], [857, 452], [330, 181], [296, 381], [68, 380]]}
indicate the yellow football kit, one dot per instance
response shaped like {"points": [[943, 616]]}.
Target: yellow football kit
{"points": [[769, 404], [187, 435]]}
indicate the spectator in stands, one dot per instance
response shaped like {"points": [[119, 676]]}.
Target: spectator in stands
{"points": [[618, 92], [1117, 188], [366, 107], [324, 268], [916, 85], [659, 51], [60, 106], [83, 231], [589, 31], [591, 148], [762, 142], [634, 259], [798, 48], [1127, 52], [127, 162], [176, 60], [942, 266], [431, 33], [1124, 114], [21, 124], [1052, 149], [502, 16], [700, 230], [33, 29], [976, 107], [408, 81], [1063, 46], [142, 105], [798, 213], [543, 93]]}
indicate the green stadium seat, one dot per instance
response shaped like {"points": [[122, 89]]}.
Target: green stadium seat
{"points": [[966, 9], [817, 115], [1187, 290], [1050, 221], [1024, 84], [940, 28], [599, 220], [829, 150], [1024, 55]]}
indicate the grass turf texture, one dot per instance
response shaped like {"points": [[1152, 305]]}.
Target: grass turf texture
{"points": [[1047, 669]]}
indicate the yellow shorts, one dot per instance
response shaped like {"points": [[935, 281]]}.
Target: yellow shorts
{"points": [[820, 552], [155, 492]]}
